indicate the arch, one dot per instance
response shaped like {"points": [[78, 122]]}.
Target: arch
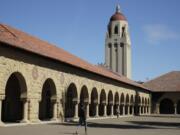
{"points": [[116, 103], [145, 102], [122, 98], [84, 97], [178, 107], [15, 93], [127, 104], [122, 104], [166, 106], [110, 102], [142, 100], [102, 102], [48, 98], [116, 29], [71, 100], [94, 102], [131, 104]]}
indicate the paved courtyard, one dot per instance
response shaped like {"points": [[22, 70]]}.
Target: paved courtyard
{"points": [[123, 126]]}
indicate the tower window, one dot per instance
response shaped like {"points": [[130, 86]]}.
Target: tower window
{"points": [[123, 32], [116, 29]]}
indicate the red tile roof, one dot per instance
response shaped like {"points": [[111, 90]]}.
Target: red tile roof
{"points": [[118, 17], [16, 38], [169, 82]]}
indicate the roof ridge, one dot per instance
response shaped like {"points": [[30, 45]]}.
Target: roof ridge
{"points": [[4, 26]]}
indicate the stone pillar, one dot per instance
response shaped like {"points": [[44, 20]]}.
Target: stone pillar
{"points": [[157, 109], [123, 107], [54, 111], [105, 110], [175, 108], [97, 110], [87, 111], [112, 110], [132, 109], [76, 111], [25, 110], [34, 110], [139, 109], [1, 123]]}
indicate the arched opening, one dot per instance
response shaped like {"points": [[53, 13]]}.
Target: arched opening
{"points": [[48, 98], [102, 103], [71, 101], [166, 106], [94, 102], [15, 92], [127, 105], [142, 106], [178, 107], [122, 104], [145, 105], [116, 103], [131, 104], [116, 29], [84, 97], [110, 103]]}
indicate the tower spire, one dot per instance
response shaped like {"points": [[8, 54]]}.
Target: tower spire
{"points": [[118, 8]]}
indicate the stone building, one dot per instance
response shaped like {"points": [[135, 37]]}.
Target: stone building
{"points": [[118, 45], [41, 82], [165, 93]]}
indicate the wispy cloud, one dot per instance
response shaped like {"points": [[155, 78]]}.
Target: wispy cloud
{"points": [[157, 33]]}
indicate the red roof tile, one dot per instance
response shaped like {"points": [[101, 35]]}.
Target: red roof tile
{"points": [[169, 82], [19, 39]]}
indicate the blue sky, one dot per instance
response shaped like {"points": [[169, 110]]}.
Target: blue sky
{"points": [[79, 26]]}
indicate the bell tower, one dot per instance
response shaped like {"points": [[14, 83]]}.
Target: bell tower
{"points": [[118, 45]]}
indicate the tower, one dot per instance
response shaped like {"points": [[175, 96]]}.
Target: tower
{"points": [[118, 45]]}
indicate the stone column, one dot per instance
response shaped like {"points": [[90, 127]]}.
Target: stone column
{"points": [[105, 110], [123, 107], [139, 108], [132, 110], [76, 111], [157, 108], [54, 111], [25, 110], [87, 111], [97, 110], [1, 123], [175, 108], [112, 110]]}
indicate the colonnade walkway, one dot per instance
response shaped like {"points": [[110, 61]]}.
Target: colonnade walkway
{"points": [[148, 125]]}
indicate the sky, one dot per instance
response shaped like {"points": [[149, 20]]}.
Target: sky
{"points": [[79, 27]]}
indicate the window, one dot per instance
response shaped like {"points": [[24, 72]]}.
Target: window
{"points": [[123, 32], [116, 29]]}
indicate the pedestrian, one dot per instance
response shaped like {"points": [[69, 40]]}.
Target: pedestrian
{"points": [[82, 116]]}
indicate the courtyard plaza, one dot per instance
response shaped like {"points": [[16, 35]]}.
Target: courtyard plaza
{"points": [[138, 125]]}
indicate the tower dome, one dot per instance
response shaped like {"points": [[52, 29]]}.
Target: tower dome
{"points": [[117, 16]]}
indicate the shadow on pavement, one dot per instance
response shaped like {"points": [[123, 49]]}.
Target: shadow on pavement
{"points": [[107, 125], [153, 123]]}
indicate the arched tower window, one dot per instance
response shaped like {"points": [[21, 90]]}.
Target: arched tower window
{"points": [[123, 32], [116, 29]]}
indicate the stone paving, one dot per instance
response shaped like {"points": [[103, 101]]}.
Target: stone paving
{"points": [[150, 125]]}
